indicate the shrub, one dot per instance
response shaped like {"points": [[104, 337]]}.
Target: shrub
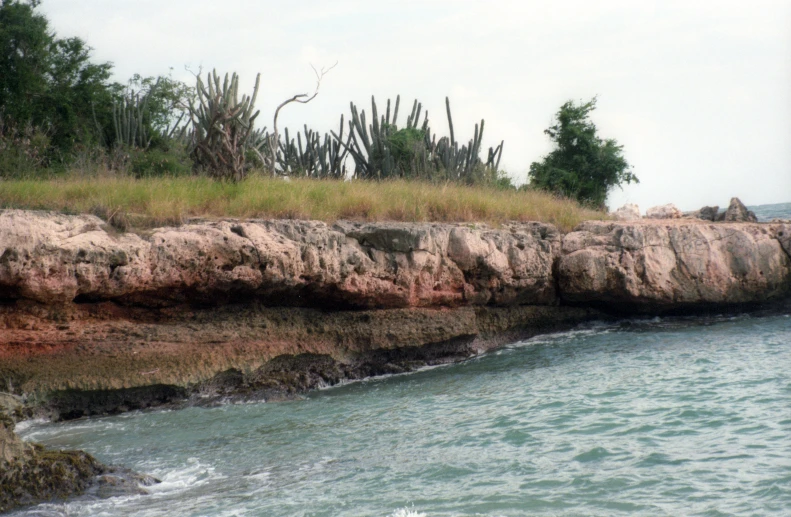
{"points": [[582, 166], [172, 160]]}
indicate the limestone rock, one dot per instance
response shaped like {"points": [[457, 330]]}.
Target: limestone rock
{"points": [[55, 258], [654, 266], [737, 213], [706, 213], [669, 211], [628, 212]]}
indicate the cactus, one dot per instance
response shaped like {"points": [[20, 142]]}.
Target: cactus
{"points": [[223, 129], [381, 150], [315, 157], [129, 120]]}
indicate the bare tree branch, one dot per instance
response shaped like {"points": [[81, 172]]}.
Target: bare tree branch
{"points": [[301, 98]]}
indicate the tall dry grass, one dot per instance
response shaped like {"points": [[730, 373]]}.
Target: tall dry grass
{"points": [[150, 202]]}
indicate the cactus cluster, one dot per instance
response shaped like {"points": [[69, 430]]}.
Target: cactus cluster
{"points": [[129, 122], [222, 127], [317, 157], [381, 150], [224, 142]]}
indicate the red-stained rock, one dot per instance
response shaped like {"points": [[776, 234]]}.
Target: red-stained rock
{"points": [[53, 258]]}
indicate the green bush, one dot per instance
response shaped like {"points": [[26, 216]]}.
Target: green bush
{"points": [[169, 161], [583, 166], [23, 153]]}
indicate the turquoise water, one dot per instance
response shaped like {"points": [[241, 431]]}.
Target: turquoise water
{"points": [[652, 418]]}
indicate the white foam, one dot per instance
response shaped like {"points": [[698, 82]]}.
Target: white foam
{"points": [[407, 512], [191, 476], [24, 425]]}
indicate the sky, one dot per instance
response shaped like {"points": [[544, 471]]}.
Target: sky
{"points": [[697, 92]]}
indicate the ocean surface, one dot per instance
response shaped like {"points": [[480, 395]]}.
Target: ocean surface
{"points": [[646, 417], [769, 212]]}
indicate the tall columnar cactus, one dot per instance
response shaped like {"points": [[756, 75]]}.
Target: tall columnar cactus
{"points": [[381, 150], [223, 129], [129, 120], [316, 157]]}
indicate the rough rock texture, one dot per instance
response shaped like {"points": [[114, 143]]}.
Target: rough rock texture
{"points": [[169, 351], [675, 265], [54, 258], [706, 213], [30, 474], [83, 308], [737, 213], [669, 211], [628, 212], [96, 322]]}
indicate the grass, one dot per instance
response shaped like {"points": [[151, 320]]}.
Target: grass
{"points": [[146, 203]]}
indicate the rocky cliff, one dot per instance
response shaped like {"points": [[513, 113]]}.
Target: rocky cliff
{"points": [[93, 321], [86, 308]]}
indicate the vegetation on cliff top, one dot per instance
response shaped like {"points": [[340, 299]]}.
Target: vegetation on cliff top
{"points": [[144, 203], [60, 112], [582, 166]]}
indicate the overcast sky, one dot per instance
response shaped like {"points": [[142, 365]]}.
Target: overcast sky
{"points": [[697, 92]]}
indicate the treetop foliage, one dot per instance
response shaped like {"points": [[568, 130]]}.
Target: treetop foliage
{"points": [[582, 166]]}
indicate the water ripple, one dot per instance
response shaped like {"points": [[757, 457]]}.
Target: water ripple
{"points": [[648, 418]]}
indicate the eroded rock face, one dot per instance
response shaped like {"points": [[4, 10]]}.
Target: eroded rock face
{"points": [[706, 213], [85, 308], [628, 212], [669, 211], [54, 258], [737, 213], [654, 267]]}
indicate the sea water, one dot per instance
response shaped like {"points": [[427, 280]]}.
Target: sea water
{"points": [[652, 417], [645, 417]]}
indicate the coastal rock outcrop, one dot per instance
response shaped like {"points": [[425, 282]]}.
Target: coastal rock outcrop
{"points": [[52, 258], [96, 322], [706, 213], [737, 213], [668, 211], [628, 212], [659, 266], [30, 474]]}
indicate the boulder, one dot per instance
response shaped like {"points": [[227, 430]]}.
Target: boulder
{"points": [[707, 213], [737, 213], [628, 212], [651, 267], [668, 211]]}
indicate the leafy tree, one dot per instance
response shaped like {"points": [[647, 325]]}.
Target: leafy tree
{"points": [[168, 104], [583, 166], [49, 82]]}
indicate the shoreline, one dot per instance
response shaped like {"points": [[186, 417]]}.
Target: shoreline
{"points": [[97, 322]]}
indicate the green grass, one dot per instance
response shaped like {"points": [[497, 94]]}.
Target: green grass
{"points": [[151, 202]]}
